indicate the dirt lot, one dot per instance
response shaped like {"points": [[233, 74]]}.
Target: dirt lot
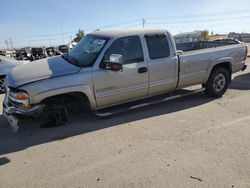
{"points": [[159, 146]]}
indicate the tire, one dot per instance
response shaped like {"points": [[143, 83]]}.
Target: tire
{"points": [[56, 115], [2, 90], [217, 83]]}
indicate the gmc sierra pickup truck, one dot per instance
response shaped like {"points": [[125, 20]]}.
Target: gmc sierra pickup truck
{"points": [[110, 68]]}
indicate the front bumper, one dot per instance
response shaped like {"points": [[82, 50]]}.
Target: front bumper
{"points": [[12, 110], [12, 113]]}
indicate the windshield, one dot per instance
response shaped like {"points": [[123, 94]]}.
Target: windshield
{"points": [[86, 51]]}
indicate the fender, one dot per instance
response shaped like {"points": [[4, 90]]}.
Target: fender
{"points": [[84, 89], [43, 90], [216, 62]]}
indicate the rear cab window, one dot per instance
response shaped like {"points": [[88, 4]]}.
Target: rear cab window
{"points": [[158, 46]]}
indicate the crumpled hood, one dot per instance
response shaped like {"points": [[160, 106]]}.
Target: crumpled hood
{"points": [[39, 70]]}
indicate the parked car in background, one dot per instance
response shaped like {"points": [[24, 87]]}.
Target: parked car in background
{"points": [[37, 53], [2, 53], [22, 55], [63, 49], [51, 51], [6, 64]]}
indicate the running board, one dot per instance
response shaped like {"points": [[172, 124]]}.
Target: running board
{"points": [[119, 109]]}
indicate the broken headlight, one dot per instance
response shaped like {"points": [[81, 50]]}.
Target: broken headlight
{"points": [[19, 99]]}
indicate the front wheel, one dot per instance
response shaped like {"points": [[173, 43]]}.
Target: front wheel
{"points": [[217, 83], [2, 89]]}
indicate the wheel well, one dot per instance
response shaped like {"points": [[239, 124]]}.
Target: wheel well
{"points": [[77, 98], [226, 65]]}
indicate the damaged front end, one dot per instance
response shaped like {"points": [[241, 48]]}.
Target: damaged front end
{"points": [[16, 107]]}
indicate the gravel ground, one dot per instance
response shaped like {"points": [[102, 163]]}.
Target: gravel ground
{"points": [[190, 142]]}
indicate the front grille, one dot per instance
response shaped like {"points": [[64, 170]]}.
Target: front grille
{"points": [[16, 104], [10, 101]]}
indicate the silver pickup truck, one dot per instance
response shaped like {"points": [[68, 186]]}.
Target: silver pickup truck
{"points": [[110, 68]]}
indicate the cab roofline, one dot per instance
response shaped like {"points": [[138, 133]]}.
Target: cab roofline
{"points": [[127, 32]]}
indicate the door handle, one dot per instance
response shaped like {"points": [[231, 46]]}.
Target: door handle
{"points": [[142, 70]]}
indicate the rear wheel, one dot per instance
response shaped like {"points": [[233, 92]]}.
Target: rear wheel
{"points": [[2, 89], [217, 83]]}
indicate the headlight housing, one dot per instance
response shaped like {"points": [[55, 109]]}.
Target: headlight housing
{"points": [[21, 96], [19, 99]]}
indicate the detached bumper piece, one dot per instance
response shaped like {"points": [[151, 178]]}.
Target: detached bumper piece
{"points": [[245, 67], [11, 113], [13, 122]]}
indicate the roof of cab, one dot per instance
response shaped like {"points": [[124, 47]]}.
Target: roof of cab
{"points": [[127, 32]]}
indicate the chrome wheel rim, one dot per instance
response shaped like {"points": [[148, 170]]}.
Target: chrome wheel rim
{"points": [[2, 88], [219, 82]]}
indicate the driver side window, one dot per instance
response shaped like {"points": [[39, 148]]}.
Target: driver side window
{"points": [[129, 47]]}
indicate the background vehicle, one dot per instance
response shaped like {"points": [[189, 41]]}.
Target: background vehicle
{"points": [[51, 51], [22, 55], [63, 49], [2, 53], [109, 68], [6, 64], [37, 53]]}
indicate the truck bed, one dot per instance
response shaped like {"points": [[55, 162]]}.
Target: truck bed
{"points": [[198, 45], [195, 65]]}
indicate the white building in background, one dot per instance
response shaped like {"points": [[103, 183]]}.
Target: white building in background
{"points": [[189, 37]]}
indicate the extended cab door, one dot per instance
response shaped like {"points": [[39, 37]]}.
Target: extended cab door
{"points": [[163, 64], [114, 87]]}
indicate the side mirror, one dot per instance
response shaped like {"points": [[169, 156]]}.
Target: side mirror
{"points": [[179, 52], [114, 63]]}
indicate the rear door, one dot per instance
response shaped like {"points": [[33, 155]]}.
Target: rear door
{"points": [[163, 64], [112, 87]]}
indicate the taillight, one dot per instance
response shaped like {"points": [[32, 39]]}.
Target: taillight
{"points": [[246, 52]]}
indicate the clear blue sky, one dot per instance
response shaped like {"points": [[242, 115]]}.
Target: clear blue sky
{"points": [[34, 22]]}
